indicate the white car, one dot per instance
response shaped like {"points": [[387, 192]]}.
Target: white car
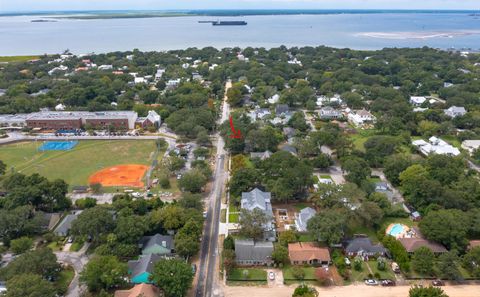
{"points": [[371, 282], [271, 275]]}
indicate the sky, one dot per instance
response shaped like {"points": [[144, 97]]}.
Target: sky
{"points": [[49, 5]]}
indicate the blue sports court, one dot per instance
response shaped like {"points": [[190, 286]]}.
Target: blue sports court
{"points": [[57, 145]]}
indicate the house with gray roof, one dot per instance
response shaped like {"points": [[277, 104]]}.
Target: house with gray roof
{"points": [[281, 109], [141, 269], [64, 227], [364, 247], [455, 111], [261, 155], [262, 201], [330, 113], [303, 217], [382, 187], [252, 253], [157, 244], [289, 148]]}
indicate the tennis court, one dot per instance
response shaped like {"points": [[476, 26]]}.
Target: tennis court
{"points": [[57, 146]]}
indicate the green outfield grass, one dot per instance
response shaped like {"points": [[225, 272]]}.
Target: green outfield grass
{"points": [[76, 165], [9, 59]]}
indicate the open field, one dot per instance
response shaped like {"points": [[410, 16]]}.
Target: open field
{"points": [[9, 59], [76, 166]]}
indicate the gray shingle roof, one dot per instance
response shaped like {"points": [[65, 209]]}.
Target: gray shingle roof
{"points": [[248, 250], [281, 108], [303, 217], [257, 199], [144, 264], [65, 225], [364, 244], [158, 239]]}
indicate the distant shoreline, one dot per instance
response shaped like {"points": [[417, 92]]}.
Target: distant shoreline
{"points": [[123, 14]]}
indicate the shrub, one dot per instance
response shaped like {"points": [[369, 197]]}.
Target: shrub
{"points": [[164, 182], [298, 273], [21, 245], [377, 275]]}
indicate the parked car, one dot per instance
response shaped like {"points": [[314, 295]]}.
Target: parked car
{"points": [[271, 275], [395, 267], [371, 282], [387, 283], [70, 240], [438, 283], [205, 214], [194, 268]]}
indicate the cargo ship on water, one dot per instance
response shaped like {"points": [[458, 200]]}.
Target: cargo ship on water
{"points": [[225, 23]]}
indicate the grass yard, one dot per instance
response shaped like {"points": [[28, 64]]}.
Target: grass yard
{"points": [[223, 216], [305, 237], [308, 271], [64, 279], [359, 276], [76, 165], [9, 59], [233, 217], [248, 275], [387, 274]]}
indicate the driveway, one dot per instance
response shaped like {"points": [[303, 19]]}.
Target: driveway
{"points": [[77, 260], [278, 281]]}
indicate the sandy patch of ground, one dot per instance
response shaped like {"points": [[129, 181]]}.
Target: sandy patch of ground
{"points": [[347, 291]]}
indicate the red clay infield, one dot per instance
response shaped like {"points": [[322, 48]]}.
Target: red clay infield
{"points": [[129, 175]]}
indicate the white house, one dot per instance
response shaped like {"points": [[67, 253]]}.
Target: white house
{"points": [[105, 67], [361, 117], [172, 83], [471, 145], [417, 100], [139, 80], [159, 73], [455, 111], [274, 99], [435, 146], [60, 107]]}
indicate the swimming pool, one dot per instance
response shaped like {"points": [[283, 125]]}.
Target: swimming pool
{"points": [[396, 230]]}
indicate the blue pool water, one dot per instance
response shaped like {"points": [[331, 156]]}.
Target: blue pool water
{"points": [[396, 229]]}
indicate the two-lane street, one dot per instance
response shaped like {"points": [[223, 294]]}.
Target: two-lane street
{"points": [[209, 251]]}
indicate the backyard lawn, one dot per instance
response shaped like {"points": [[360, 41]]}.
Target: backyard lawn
{"points": [[76, 165]]}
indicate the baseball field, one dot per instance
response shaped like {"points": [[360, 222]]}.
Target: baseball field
{"points": [[77, 165]]}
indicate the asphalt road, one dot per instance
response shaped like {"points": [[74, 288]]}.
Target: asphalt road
{"points": [[206, 285], [77, 260]]}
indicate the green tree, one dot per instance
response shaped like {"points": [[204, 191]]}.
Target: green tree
{"points": [[394, 165], [471, 260], [189, 200], [286, 237], [173, 276], [21, 245], [426, 292], [104, 272], [228, 256], [357, 169], [370, 213], [41, 261], [192, 181], [130, 228], [447, 265], [186, 240], [280, 254], [447, 226], [423, 261], [305, 291], [94, 222], [171, 217], [29, 285], [327, 226], [252, 223]]}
